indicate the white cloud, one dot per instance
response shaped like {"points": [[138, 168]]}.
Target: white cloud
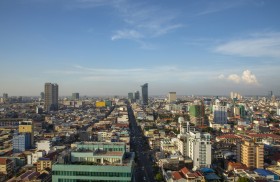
{"points": [[127, 34], [141, 20], [249, 78], [257, 45], [246, 78], [234, 77], [214, 7]]}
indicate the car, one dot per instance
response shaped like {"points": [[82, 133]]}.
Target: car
{"points": [[142, 168], [144, 178]]}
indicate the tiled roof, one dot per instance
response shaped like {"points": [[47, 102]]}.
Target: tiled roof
{"points": [[185, 171], [176, 175]]}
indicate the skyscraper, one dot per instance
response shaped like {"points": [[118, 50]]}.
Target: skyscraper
{"points": [[51, 96], [137, 95], [145, 94]]}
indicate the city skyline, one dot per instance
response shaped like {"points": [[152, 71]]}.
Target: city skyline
{"points": [[111, 47]]}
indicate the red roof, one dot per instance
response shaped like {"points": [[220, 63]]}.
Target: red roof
{"points": [[185, 171], [263, 135], [229, 136], [176, 175]]}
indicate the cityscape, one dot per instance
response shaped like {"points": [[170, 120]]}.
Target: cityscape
{"points": [[139, 91]]}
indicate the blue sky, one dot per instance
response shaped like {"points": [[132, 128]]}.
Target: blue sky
{"points": [[111, 47]]}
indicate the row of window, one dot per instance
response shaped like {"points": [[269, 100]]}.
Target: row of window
{"points": [[84, 180], [84, 173]]}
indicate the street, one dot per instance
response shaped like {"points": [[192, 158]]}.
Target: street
{"points": [[143, 168]]}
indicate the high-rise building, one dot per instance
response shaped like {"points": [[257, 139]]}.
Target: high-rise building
{"points": [[42, 95], [250, 154], [194, 144], [51, 96], [197, 113], [130, 96], [145, 94], [21, 142], [136, 95], [199, 148], [27, 127], [75, 96], [172, 97], [219, 113]]}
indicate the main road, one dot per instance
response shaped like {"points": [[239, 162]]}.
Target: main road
{"points": [[138, 144]]}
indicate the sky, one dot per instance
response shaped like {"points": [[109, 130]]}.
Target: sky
{"points": [[112, 47]]}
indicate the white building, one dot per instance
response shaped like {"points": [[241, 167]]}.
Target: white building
{"points": [[184, 125], [194, 144], [278, 111], [219, 113], [44, 145]]}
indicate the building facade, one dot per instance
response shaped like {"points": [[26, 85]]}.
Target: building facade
{"points": [[6, 167], [75, 96], [27, 127], [172, 97], [51, 97], [219, 113], [250, 154], [21, 142], [145, 96], [95, 161]]}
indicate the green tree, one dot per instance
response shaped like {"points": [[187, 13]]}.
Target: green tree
{"points": [[159, 177], [243, 179]]}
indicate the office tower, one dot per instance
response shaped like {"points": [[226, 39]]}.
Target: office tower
{"points": [[130, 96], [75, 96], [136, 95], [90, 161], [145, 94], [51, 96], [172, 97], [42, 95], [219, 113], [250, 154]]}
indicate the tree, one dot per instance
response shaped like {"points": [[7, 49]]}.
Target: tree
{"points": [[243, 179], [159, 177]]}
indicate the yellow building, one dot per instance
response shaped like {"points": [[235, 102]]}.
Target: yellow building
{"points": [[43, 163], [251, 154], [27, 127], [100, 104]]}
